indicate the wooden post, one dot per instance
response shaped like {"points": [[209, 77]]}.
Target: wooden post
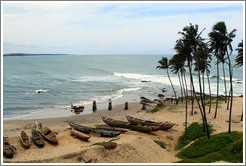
{"points": [[94, 106], [110, 105], [126, 105], [144, 106]]}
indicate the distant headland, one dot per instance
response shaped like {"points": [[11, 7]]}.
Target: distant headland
{"points": [[26, 54]]}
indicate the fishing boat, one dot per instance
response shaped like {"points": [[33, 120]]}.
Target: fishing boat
{"points": [[37, 138], [88, 130], [82, 128], [163, 126], [106, 133], [106, 127], [49, 135], [25, 141], [80, 135], [8, 150], [137, 127], [116, 123]]}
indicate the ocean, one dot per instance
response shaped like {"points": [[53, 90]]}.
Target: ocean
{"points": [[80, 79]]}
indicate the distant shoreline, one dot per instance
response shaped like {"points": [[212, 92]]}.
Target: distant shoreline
{"points": [[24, 54]]}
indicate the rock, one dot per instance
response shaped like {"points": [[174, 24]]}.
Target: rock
{"points": [[110, 145], [161, 95]]}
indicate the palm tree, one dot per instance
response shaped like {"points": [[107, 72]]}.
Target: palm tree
{"points": [[239, 58], [221, 43], [164, 64], [222, 60], [177, 66], [216, 44], [192, 40], [239, 61]]}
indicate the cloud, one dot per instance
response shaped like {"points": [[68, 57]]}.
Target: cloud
{"points": [[101, 28]]}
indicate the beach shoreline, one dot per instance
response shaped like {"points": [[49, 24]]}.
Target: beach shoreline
{"points": [[133, 146]]}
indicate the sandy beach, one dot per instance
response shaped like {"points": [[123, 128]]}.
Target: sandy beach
{"points": [[132, 146]]}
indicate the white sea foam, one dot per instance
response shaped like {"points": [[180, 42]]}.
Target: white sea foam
{"points": [[93, 79], [40, 91], [152, 78]]}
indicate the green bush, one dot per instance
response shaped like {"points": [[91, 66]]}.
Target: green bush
{"points": [[220, 147], [160, 143], [194, 131]]}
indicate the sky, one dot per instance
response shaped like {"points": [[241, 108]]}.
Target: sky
{"points": [[110, 28]]}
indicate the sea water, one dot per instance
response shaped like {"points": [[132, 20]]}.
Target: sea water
{"points": [[45, 86]]}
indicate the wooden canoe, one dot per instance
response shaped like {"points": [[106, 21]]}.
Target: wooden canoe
{"points": [[163, 126], [106, 133], [8, 150], [106, 127], [80, 135], [82, 128], [116, 123], [37, 138], [25, 141], [137, 127], [49, 135]]}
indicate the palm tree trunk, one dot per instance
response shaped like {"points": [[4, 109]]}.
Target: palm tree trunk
{"points": [[229, 99], [231, 89], [171, 84], [180, 88], [204, 96], [201, 96], [215, 114], [194, 93], [182, 81], [242, 115], [225, 83], [186, 107], [209, 93]]}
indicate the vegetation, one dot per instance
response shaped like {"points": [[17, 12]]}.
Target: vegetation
{"points": [[103, 143], [219, 147], [160, 143], [194, 131], [158, 108], [195, 53]]}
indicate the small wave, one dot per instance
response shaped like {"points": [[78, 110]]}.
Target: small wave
{"points": [[107, 78], [227, 79], [40, 91], [105, 98], [151, 78]]}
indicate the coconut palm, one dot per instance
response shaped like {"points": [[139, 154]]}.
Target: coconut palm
{"points": [[193, 41], [239, 61], [164, 64], [221, 43], [239, 58], [216, 44]]}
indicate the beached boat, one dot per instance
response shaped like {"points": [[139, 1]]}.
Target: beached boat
{"points": [[163, 126], [37, 138], [88, 130], [80, 135], [116, 123], [49, 135], [106, 127], [82, 128], [25, 141], [138, 127], [8, 150], [106, 133]]}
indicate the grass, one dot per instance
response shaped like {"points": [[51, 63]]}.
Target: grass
{"points": [[219, 147], [102, 143], [161, 144], [158, 108], [194, 131]]}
